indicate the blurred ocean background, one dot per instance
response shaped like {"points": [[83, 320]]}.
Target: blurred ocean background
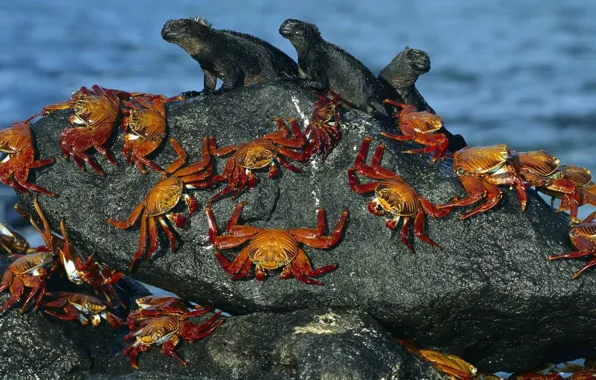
{"points": [[522, 73]]}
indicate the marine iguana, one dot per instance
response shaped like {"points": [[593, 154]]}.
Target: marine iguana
{"points": [[399, 79], [325, 66], [400, 76], [239, 59]]}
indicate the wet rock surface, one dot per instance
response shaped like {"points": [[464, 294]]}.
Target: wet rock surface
{"points": [[489, 295], [303, 344]]}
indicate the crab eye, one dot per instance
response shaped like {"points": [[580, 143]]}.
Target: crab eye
{"points": [[460, 171]]}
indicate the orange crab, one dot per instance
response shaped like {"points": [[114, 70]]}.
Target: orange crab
{"points": [[85, 308], [420, 127], [451, 365], [540, 169], [163, 197], [17, 143], [270, 248], [584, 193], [29, 271], [159, 306], [481, 169], [166, 331], [257, 154], [583, 239], [394, 197], [145, 122], [79, 271], [323, 128]]}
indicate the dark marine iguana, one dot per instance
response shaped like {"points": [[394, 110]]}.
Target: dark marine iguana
{"points": [[238, 59], [325, 66], [400, 76], [399, 79]]}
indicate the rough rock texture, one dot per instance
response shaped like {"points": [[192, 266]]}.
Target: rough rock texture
{"points": [[489, 295], [303, 344]]}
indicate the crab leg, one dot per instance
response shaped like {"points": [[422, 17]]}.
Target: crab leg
{"points": [[302, 269], [474, 189], [142, 242], [287, 164], [360, 188], [493, 197], [170, 235], [132, 218], [153, 238], [21, 178], [432, 210], [322, 242], [403, 234], [419, 229], [168, 349], [237, 265], [16, 289]]}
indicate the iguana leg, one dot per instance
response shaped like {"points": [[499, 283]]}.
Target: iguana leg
{"points": [[210, 81]]}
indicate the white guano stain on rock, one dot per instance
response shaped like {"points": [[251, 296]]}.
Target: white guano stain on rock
{"points": [[326, 324], [303, 116]]}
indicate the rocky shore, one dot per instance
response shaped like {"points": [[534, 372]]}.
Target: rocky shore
{"points": [[488, 295]]}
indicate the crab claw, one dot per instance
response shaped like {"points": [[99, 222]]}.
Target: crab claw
{"points": [[375, 208], [179, 220]]}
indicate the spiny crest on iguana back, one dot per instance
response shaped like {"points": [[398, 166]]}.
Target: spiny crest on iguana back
{"points": [[202, 21]]}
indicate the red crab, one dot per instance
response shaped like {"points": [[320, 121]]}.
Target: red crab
{"points": [[162, 198], [480, 169], [583, 239], [17, 143], [420, 127], [145, 128], [89, 271], [270, 248], [541, 170], [166, 332], [82, 307], [160, 306], [584, 191], [29, 271], [257, 154], [323, 128], [95, 113], [394, 197], [13, 242]]}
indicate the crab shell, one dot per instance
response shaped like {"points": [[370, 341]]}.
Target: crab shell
{"points": [[422, 122], [536, 162], [480, 160], [256, 154], [394, 197], [581, 176], [11, 241], [273, 248], [16, 139], [29, 265], [88, 306], [583, 236], [163, 196], [158, 331], [93, 109]]}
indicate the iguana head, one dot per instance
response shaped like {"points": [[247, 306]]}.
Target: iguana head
{"points": [[187, 33], [301, 34]]}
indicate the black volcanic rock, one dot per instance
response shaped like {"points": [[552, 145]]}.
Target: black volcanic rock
{"points": [[305, 344], [489, 295]]}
